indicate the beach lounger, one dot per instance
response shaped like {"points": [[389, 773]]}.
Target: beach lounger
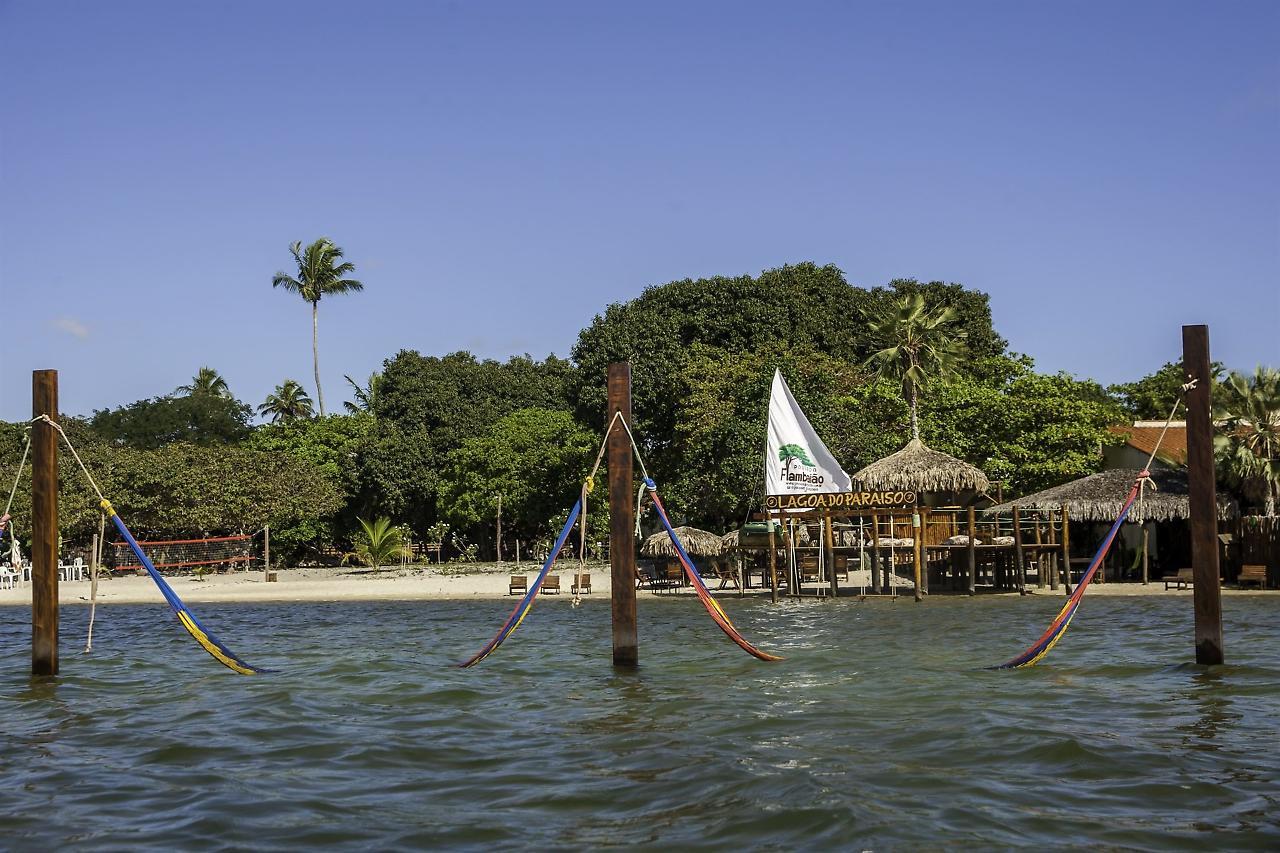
{"points": [[1184, 579], [1253, 574], [519, 585], [581, 584], [551, 585]]}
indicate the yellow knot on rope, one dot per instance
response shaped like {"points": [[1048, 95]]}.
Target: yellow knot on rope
{"points": [[107, 508], [589, 486]]}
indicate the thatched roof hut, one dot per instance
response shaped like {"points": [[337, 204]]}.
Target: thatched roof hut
{"points": [[698, 543], [916, 468], [1100, 497]]}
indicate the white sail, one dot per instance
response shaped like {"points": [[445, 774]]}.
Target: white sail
{"points": [[796, 461]]}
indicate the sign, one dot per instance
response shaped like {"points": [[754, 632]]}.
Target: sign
{"points": [[796, 462], [841, 500]]}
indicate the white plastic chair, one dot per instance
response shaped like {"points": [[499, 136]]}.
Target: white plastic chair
{"points": [[8, 577]]}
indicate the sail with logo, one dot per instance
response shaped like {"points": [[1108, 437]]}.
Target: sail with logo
{"points": [[796, 461]]}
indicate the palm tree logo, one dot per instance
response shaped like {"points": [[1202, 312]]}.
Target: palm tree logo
{"points": [[789, 453]]}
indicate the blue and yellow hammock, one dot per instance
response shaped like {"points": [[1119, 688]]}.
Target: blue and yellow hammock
{"points": [[207, 641], [1058, 627], [704, 595]]}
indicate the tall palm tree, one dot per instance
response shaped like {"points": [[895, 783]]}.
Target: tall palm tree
{"points": [[319, 274], [918, 346], [366, 395], [1247, 413], [289, 402], [206, 381]]}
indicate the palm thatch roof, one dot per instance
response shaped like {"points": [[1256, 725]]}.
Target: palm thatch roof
{"points": [[1100, 497], [698, 543], [916, 468]]}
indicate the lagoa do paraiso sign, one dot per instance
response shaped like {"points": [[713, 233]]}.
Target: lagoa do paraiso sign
{"points": [[841, 500]]}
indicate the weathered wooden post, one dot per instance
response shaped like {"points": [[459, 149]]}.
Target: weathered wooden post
{"points": [[973, 554], [916, 545], [1204, 500], [583, 544], [1146, 564], [266, 553], [1019, 561], [1066, 549], [773, 559], [622, 552], [44, 525], [831, 553], [875, 555]]}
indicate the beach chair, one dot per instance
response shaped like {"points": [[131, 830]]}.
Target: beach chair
{"points": [[519, 585], [581, 584], [1253, 574], [551, 585], [1184, 579], [8, 577], [807, 564]]}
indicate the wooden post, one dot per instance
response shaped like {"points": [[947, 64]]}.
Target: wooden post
{"points": [[583, 544], [1066, 550], [622, 552], [1146, 543], [1019, 561], [875, 554], [917, 545], [831, 554], [973, 554], [93, 590], [266, 553], [44, 525], [773, 559], [1204, 501]]}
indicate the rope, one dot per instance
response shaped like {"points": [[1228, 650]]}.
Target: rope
{"points": [[96, 564], [26, 448], [51, 422]]}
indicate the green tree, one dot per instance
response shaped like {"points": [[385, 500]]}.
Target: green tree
{"points": [[206, 381], [1247, 412], [379, 543], [536, 459], [319, 274], [195, 418], [1151, 398], [289, 402], [917, 346]]}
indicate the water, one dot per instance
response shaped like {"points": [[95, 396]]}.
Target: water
{"points": [[878, 731]]}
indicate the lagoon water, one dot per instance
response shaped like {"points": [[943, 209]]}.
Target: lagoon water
{"points": [[879, 731]]}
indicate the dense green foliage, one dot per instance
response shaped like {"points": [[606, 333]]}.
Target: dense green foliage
{"points": [[1248, 446], [432, 440]]}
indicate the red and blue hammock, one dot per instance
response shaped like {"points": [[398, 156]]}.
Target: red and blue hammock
{"points": [[1058, 627]]}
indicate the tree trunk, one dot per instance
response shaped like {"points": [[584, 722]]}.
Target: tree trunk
{"points": [[315, 352], [915, 420]]}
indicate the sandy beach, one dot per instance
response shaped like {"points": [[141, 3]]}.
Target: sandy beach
{"points": [[448, 582]]}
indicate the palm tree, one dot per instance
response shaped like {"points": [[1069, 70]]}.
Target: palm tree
{"points": [[289, 402], [206, 381], [319, 274], [366, 395], [380, 543], [919, 346], [1247, 413]]}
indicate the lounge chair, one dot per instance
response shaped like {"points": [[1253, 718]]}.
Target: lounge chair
{"points": [[551, 585], [519, 585], [1253, 574], [581, 584], [1184, 579]]}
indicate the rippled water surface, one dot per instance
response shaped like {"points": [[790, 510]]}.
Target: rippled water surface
{"points": [[879, 731]]}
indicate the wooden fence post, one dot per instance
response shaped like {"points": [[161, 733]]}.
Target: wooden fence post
{"points": [[622, 552], [44, 524], [1204, 500]]}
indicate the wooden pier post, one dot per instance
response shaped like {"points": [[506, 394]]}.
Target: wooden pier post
{"points": [[973, 554], [44, 525], [1066, 549], [831, 554], [875, 554], [916, 546], [773, 560], [622, 552], [1204, 500], [1146, 564], [1020, 563]]}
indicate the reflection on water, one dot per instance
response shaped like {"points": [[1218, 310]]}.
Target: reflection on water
{"points": [[880, 730]]}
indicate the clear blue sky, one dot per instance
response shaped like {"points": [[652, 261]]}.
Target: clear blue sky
{"points": [[500, 172]]}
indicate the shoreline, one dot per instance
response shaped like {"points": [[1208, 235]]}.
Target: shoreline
{"points": [[452, 583]]}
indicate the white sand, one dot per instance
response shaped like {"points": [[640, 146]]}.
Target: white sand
{"points": [[448, 582]]}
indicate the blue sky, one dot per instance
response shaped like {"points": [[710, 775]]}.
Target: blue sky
{"points": [[500, 172]]}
